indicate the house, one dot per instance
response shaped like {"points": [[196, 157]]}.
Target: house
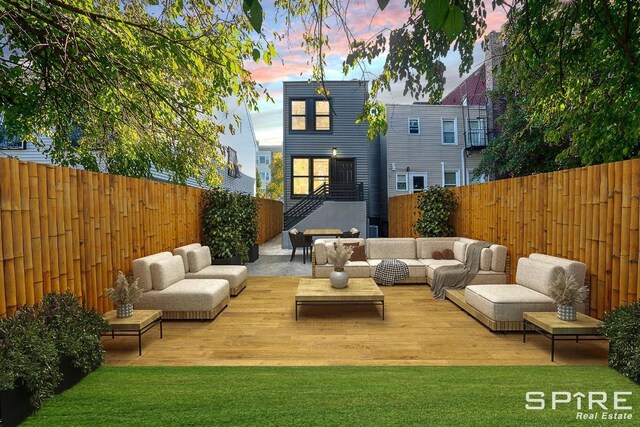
{"points": [[331, 169], [264, 159], [239, 148]]}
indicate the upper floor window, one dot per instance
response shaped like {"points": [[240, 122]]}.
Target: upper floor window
{"points": [[308, 175], [265, 176], [449, 131], [10, 143], [233, 168], [311, 115], [476, 133], [414, 126], [263, 159]]}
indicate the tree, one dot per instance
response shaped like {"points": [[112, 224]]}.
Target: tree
{"points": [[275, 189], [259, 191], [134, 81]]}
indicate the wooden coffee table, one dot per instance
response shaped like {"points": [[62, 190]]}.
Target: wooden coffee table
{"points": [[136, 325], [320, 292], [548, 324]]}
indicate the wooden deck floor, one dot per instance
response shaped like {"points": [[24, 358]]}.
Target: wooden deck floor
{"points": [[259, 328]]}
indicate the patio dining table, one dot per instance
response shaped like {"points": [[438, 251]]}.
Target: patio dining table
{"points": [[310, 233]]}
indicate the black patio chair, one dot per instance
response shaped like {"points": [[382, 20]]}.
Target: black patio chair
{"points": [[351, 234], [299, 240]]}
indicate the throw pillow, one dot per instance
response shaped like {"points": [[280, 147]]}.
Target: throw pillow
{"points": [[436, 255], [358, 252], [447, 254]]}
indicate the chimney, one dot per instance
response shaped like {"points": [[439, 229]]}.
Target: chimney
{"points": [[492, 57]]}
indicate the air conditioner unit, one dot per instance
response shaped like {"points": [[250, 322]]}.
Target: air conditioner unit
{"points": [[373, 231]]}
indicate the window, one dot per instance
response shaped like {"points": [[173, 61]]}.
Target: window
{"points": [[476, 133], [414, 126], [449, 131], [401, 182], [475, 180], [233, 169], [309, 174], [263, 159], [10, 143], [311, 115], [323, 118], [450, 179], [265, 176]]}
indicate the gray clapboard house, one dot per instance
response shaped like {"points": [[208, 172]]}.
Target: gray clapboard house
{"points": [[331, 169]]}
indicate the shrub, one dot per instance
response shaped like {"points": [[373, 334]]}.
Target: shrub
{"points": [[28, 355], [436, 206], [229, 223], [75, 329], [622, 328]]}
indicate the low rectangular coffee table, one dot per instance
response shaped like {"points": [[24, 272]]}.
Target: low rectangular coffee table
{"points": [[320, 292], [136, 325], [548, 324]]}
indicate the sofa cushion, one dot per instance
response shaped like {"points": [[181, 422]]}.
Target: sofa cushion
{"points": [[485, 259], [425, 246], [506, 302], [498, 258], [571, 268], [320, 247], [536, 275], [166, 272], [460, 250], [199, 259], [447, 254], [436, 255], [353, 268], [183, 251], [234, 274], [186, 295], [432, 264], [358, 253], [142, 269], [416, 267], [391, 248], [489, 278]]}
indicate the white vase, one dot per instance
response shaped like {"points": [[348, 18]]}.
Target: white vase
{"points": [[339, 279], [124, 310], [567, 312]]}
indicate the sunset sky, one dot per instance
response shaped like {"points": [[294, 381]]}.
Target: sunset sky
{"points": [[364, 20]]}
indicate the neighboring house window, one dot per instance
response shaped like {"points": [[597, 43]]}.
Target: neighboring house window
{"points": [[476, 133], [309, 173], [263, 159], [475, 180], [401, 182], [449, 131], [265, 176], [8, 143], [233, 169], [311, 115], [414, 126], [450, 179]]}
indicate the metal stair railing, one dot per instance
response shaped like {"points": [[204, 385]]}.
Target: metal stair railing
{"points": [[305, 207]]}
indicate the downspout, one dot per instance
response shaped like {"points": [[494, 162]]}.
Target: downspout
{"points": [[442, 173], [463, 162]]}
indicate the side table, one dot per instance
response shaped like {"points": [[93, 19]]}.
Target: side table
{"points": [[136, 325]]}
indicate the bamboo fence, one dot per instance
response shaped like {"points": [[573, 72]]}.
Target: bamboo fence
{"points": [[64, 228], [589, 214]]}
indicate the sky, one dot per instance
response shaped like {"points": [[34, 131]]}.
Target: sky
{"points": [[364, 20]]}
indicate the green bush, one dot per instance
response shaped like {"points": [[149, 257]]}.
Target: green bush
{"points": [[436, 205], [28, 355], [622, 328], [76, 330], [229, 223]]}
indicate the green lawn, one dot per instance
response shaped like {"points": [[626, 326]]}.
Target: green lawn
{"points": [[328, 396]]}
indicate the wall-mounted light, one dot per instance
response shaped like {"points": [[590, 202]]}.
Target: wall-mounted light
{"points": [[393, 166], [334, 152], [408, 168]]}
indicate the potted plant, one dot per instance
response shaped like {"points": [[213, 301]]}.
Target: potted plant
{"points": [[76, 333], [567, 293], [622, 328], [124, 294], [339, 256]]}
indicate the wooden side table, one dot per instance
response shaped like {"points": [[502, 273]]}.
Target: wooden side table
{"points": [[136, 325], [548, 324]]}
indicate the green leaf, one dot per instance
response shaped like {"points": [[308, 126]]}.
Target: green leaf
{"points": [[454, 23], [256, 55], [253, 11], [437, 11], [382, 4]]}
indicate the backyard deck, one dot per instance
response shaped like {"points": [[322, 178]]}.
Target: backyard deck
{"points": [[259, 328]]}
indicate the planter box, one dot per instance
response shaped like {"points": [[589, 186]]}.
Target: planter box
{"points": [[70, 375], [254, 254], [234, 260], [15, 406]]}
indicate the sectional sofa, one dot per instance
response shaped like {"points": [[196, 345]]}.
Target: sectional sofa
{"points": [[418, 254]]}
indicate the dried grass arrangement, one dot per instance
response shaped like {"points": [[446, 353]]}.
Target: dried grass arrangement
{"points": [[566, 291], [123, 291], [339, 255]]}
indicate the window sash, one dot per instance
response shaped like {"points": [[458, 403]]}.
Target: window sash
{"points": [[447, 179], [414, 126], [308, 179], [401, 182]]}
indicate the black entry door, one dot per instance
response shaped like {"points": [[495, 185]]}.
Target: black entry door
{"points": [[343, 178]]}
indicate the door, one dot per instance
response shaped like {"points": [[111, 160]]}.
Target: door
{"points": [[418, 182], [342, 181]]}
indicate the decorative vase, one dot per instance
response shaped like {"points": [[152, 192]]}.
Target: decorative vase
{"points": [[125, 310], [567, 312], [339, 279]]}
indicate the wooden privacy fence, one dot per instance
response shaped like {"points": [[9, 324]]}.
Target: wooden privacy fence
{"points": [[590, 214], [269, 219]]}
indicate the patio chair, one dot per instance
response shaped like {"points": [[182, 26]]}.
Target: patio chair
{"points": [[354, 233], [299, 240]]}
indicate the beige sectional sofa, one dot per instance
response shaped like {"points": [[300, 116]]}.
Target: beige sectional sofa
{"points": [[500, 307], [417, 254], [197, 265], [165, 287]]}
